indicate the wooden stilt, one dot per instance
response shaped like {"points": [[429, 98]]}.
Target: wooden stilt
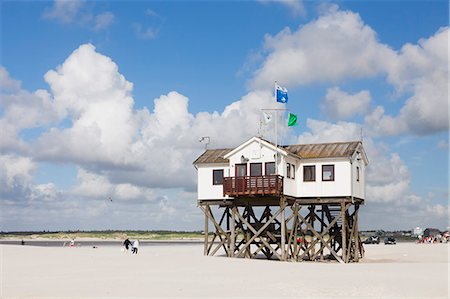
{"points": [[233, 231], [344, 231], [206, 235], [283, 229]]}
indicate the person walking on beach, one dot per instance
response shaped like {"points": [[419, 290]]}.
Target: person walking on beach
{"points": [[135, 246], [127, 244]]}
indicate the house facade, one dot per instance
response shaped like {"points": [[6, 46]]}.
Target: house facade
{"points": [[258, 168]]}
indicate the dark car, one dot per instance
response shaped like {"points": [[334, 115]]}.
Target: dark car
{"points": [[389, 241], [372, 240]]}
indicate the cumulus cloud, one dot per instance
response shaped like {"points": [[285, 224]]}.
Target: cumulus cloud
{"points": [[339, 104], [421, 70], [304, 56], [7, 83], [418, 72], [16, 102], [108, 137], [16, 172], [322, 131]]}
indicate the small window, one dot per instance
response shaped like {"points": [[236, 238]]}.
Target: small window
{"points": [[357, 173], [292, 171], [309, 173], [217, 176], [288, 170], [255, 169], [327, 172], [270, 168]]}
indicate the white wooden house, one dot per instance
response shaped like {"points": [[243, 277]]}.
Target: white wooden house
{"points": [[325, 170]]}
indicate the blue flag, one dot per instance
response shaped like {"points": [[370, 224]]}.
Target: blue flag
{"points": [[281, 94]]}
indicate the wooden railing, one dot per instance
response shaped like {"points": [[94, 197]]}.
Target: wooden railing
{"points": [[253, 185]]}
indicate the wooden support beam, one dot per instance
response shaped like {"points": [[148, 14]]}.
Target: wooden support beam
{"points": [[258, 234], [283, 229], [248, 242], [357, 240], [205, 252], [344, 231], [219, 231], [320, 237], [233, 232]]}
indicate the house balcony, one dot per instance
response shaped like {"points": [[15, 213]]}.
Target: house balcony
{"points": [[253, 185]]}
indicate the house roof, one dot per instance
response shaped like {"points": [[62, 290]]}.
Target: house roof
{"points": [[257, 139], [304, 151], [324, 150], [213, 156]]}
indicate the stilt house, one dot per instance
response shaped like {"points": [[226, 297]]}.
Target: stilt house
{"points": [[260, 190]]}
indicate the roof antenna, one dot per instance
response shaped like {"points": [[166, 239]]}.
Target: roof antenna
{"points": [[361, 137], [206, 139]]}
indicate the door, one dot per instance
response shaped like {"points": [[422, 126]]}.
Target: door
{"points": [[240, 176]]}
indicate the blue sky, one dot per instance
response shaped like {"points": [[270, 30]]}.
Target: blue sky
{"points": [[379, 65]]}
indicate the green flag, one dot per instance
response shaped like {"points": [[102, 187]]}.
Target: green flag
{"points": [[292, 120]]}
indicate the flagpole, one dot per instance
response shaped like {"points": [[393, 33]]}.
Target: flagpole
{"points": [[276, 131], [276, 142]]}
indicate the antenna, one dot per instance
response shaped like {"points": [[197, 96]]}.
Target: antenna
{"points": [[206, 139], [361, 137]]}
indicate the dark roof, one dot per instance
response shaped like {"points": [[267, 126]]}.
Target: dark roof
{"points": [[323, 150], [213, 156], [304, 151]]}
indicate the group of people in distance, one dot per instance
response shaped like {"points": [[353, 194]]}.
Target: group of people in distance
{"points": [[133, 246]]}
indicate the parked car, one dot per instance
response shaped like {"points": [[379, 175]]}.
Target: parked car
{"points": [[372, 240], [389, 241]]}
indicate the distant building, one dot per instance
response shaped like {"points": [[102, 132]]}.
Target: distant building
{"points": [[417, 231]]}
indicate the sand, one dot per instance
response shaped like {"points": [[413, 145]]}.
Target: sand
{"points": [[404, 270]]}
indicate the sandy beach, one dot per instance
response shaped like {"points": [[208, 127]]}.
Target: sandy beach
{"points": [[405, 270]]}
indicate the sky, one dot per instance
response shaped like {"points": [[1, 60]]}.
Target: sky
{"points": [[108, 99]]}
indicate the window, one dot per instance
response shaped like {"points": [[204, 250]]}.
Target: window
{"points": [[357, 173], [327, 172], [255, 169], [217, 176], [293, 171], [270, 168], [288, 170], [309, 173], [241, 170]]}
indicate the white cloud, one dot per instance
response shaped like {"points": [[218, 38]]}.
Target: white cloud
{"points": [[108, 137], [422, 70], [145, 32], [15, 103], [439, 210], [304, 56], [38, 108], [64, 11], [44, 192], [103, 20], [15, 172], [322, 131], [339, 104], [6, 82], [77, 12], [338, 46], [296, 7]]}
